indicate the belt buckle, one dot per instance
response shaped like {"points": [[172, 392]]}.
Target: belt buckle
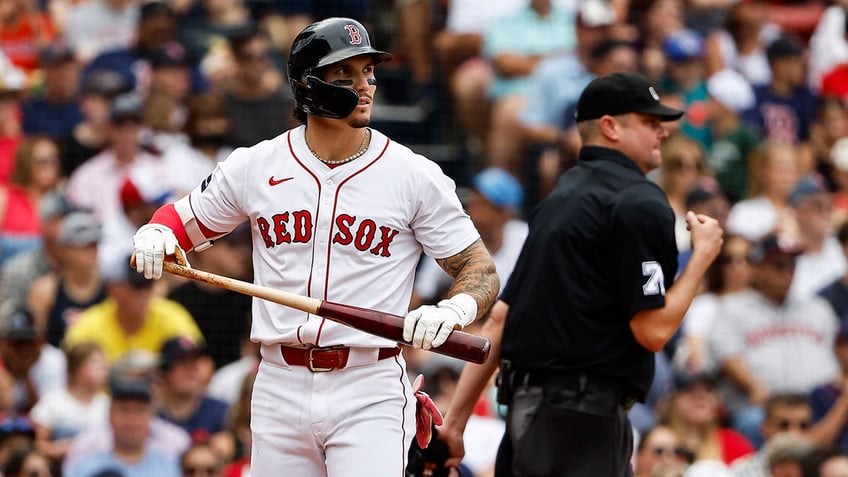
{"points": [[310, 358]]}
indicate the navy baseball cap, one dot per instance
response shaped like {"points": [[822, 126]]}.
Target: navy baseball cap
{"points": [[177, 348], [683, 45], [622, 93]]}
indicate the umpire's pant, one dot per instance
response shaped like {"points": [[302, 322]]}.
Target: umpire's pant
{"points": [[552, 432]]}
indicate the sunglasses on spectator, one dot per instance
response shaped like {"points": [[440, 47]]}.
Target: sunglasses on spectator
{"points": [[734, 259], [786, 424], [200, 470], [679, 452]]}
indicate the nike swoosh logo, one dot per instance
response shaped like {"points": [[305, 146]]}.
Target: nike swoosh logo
{"points": [[273, 182]]}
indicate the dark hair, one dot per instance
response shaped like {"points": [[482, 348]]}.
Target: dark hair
{"points": [[242, 37], [715, 277], [842, 233], [15, 464], [299, 115], [785, 399], [603, 49]]}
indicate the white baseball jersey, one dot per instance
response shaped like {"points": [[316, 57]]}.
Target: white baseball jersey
{"points": [[352, 234]]}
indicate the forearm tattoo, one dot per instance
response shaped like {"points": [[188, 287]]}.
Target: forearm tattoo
{"points": [[474, 273]]}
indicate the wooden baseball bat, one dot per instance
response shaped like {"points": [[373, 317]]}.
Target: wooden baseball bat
{"points": [[461, 345]]}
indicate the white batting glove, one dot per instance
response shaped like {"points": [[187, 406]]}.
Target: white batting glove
{"points": [[151, 244], [429, 326]]}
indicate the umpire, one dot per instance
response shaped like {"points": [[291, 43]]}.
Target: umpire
{"points": [[591, 298]]}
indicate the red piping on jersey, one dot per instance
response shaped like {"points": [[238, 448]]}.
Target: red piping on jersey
{"points": [[309, 281], [333, 222], [403, 413]]}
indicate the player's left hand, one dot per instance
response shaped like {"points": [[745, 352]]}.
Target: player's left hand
{"points": [[429, 326]]}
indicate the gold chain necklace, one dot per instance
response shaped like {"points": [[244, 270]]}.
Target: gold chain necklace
{"points": [[362, 148]]}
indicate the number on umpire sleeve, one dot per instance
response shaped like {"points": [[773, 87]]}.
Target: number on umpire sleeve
{"points": [[656, 280]]}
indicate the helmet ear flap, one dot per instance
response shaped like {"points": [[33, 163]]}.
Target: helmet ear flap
{"points": [[320, 98]]}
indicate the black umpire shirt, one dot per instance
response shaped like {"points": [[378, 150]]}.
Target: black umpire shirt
{"points": [[601, 248]]}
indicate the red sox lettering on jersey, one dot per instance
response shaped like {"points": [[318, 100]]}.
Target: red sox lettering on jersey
{"points": [[296, 226], [331, 233]]}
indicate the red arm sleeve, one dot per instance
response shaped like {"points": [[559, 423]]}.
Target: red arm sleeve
{"points": [[167, 216]]}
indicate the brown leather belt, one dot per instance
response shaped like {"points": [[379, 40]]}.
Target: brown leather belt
{"points": [[321, 360]]}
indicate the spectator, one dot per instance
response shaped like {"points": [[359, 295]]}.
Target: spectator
{"points": [[786, 423], [130, 415], [730, 95], [459, 48], [57, 298], [654, 20], [785, 107], [63, 413], [218, 22], [16, 436], [18, 274], [96, 26], [772, 175], [730, 273], [131, 317], [514, 45], [12, 84], [741, 44], [685, 75], [839, 158], [836, 293], [37, 173], [658, 449], [208, 127], [56, 111], [156, 26], [691, 410], [765, 343], [201, 459], [547, 119], [170, 87], [96, 184], [683, 166], [830, 126], [822, 260], [162, 438], [91, 136], [257, 102], [830, 401], [24, 30], [222, 315], [31, 367], [239, 426], [28, 463], [829, 51], [183, 400]]}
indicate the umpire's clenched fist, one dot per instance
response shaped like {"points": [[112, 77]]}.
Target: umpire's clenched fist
{"points": [[707, 236]]}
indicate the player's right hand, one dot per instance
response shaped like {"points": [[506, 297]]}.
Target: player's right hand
{"points": [[151, 243]]}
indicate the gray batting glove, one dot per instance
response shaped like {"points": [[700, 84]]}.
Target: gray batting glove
{"points": [[151, 244], [429, 326]]}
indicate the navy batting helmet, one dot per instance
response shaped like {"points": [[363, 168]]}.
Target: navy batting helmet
{"points": [[322, 44]]}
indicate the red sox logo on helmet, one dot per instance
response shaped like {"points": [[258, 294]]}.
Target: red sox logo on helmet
{"points": [[355, 35]]}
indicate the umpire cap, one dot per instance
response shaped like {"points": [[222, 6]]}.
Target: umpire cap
{"points": [[621, 93]]}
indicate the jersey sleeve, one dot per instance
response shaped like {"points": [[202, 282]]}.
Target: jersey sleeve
{"points": [[439, 222], [217, 203], [646, 255]]}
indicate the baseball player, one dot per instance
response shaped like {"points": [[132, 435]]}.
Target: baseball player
{"points": [[339, 212]]}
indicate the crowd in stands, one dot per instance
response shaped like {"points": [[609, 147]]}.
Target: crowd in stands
{"points": [[111, 108]]}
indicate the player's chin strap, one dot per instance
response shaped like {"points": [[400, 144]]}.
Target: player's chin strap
{"points": [[320, 98]]}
